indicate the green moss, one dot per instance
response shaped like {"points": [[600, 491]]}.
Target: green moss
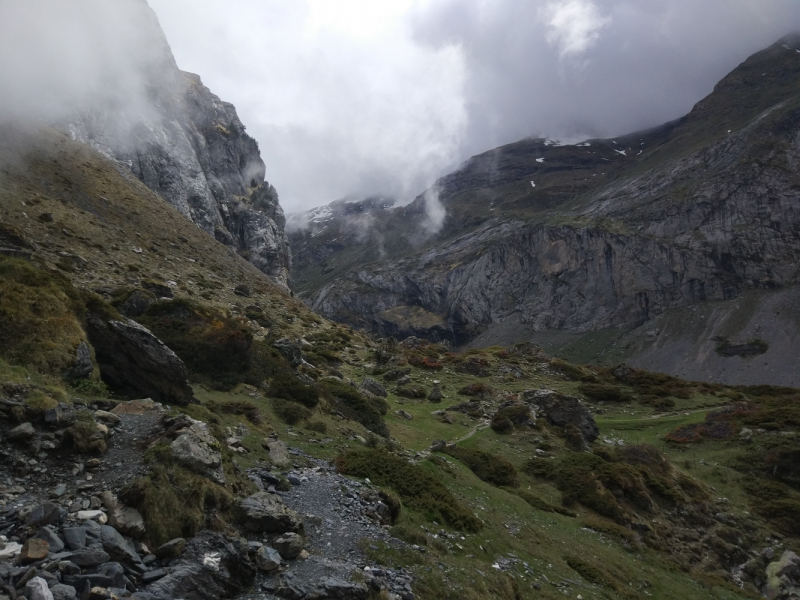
{"points": [[417, 487], [175, 502], [39, 318]]}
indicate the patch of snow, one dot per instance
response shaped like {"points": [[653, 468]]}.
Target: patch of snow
{"points": [[533, 184], [549, 142], [539, 160], [583, 145], [212, 561], [620, 152]]}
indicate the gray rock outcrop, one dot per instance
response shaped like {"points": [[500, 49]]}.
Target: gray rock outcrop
{"points": [[191, 148], [561, 410], [198, 450]]}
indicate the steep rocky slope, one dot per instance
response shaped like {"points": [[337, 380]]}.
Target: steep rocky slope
{"points": [[604, 234], [190, 147]]}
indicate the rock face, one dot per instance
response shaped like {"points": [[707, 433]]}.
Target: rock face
{"points": [[612, 233], [133, 360], [191, 148]]}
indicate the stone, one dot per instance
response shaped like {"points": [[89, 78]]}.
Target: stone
{"points": [[303, 555], [115, 574], [268, 559], [242, 290], [10, 550], [75, 537], [92, 515], [153, 575], [212, 566], [278, 453], [120, 550], [127, 520], [68, 567], [158, 289], [290, 351], [289, 545], [62, 591], [130, 357], [373, 387], [90, 557], [21, 433], [37, 589], [59, 490], [107, 417], [171, 549], [266, 513], [435, 394], [83, 366], [43, 514], [405, 415], [197, 450], [562, 410], [137, 303], [34, 549], [53, 541]]}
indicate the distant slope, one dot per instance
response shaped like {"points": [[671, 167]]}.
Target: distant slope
{"points": [[605, 234]]}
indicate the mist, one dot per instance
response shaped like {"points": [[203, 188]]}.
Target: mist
{"points": [[62, 60], [353, 98]]}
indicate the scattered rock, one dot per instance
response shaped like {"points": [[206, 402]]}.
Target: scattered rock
{"points": [[436, 394], [75, 537], [561, 410], [89, 557], [53, 541], [137, 303], [289, 545], [405, 415], [21, 433], [268, 559], [107, 417], [266, 513], [373, 387], [32, 550], [61, 591], [278, 453], [44, 514], [290, 351], [172, 549], [93, 515], [37, 589]]}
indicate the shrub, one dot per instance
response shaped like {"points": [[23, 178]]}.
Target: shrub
{"points": [[602, 392], [539, 503], [84, 436], [353, 405], [417, 487], [237, 407], [604, 576], [488, 467], [175, 502], [288, 387], [318, 426], [290, 412], [507, 417]]}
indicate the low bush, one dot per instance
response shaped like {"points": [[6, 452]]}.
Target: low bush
{"points": [[318, 426], [603, 575], [603, 392], [539, 503], [507, 417], [488, 467], [237, 407], [355, 406], [288, 387], [84, 436], [290, 412], [417, 487]]}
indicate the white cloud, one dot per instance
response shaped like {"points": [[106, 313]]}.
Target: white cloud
{"points": [[573, 25]]}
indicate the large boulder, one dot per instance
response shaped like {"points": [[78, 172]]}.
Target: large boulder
{"points": [[119, 550], [373, 387], [290, 351], [211, 567], [561, 410], [783, 577], [266, 513], [196, 449], [134, 361]]}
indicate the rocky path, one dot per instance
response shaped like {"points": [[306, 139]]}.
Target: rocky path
{"points": [[339, 515]]}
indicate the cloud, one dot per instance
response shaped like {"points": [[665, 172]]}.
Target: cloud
{"points": [[435, 212], [61, 57], [573, 25]]}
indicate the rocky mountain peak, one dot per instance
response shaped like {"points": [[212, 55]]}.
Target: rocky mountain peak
{"points": [[191, 148]]}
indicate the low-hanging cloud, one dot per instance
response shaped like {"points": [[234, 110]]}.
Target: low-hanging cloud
{"points": [[63, 59]]}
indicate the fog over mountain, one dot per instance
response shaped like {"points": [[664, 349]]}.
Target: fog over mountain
{"points": [[354, 98]]}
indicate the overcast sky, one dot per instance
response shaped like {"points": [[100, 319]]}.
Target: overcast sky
{"points": [[384, 96]]}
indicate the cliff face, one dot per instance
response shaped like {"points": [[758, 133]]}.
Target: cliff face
{"points": [[606, 234], [191, 148]]}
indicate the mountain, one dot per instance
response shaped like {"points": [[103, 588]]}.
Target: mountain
{"points": [[584, 248], [190, 147], [175, 424]]}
